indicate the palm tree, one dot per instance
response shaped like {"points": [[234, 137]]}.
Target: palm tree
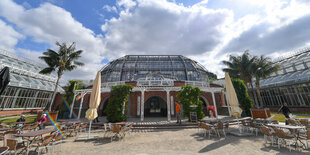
{"points": [[263, 68], [241, 67], [61, 61]]}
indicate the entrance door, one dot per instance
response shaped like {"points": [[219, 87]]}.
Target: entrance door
{"points": [[155, 107]]}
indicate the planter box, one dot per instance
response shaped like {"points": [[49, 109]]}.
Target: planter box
{"points": [[260, 113]]}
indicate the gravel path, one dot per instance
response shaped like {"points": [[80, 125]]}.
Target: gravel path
{"points": [[180, 142]]}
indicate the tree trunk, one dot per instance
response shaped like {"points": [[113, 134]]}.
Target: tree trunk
{"points": [[254, 96], [259, 95], [54, 94]]}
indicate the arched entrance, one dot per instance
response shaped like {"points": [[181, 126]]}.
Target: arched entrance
{"points": [[204, 105], [155, 106], [102, 107]]}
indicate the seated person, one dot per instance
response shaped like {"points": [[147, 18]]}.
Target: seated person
{"points": [[211, 114], [42, 121], [21, 119]]}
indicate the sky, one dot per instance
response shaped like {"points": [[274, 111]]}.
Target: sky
{"points": [[207, 31]]}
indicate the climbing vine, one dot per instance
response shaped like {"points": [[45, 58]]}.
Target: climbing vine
{"points": [[189, 98], [118, 96]]}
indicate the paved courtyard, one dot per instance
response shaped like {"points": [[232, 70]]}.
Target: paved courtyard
{"points": [[185, 141]]}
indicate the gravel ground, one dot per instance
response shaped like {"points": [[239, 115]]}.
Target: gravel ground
{"points": [[179, 142]]}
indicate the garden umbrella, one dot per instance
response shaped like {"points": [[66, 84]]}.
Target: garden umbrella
{"points": [[91, 113], [232, 97]]}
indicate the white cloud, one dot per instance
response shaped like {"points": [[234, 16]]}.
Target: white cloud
{"points": [[110, 8], [48, 24], [9, 37], [161, 27], [208, 31]]}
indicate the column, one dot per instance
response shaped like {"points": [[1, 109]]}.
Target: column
{"points": [[172, 105], [72, 105], [214, 103], [123, 111], [168, 106], [138, 106], [227, 103], [81, 104], [142, 105]]}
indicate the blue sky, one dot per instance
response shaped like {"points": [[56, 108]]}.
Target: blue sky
{"points": [[207, 31]]}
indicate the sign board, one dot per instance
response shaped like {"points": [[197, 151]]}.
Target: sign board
{"points": [[193, 106], [193, 116]]}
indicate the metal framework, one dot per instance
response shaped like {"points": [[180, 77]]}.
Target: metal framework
{"points": [[291, 83], [151, 73], [27, 89], [133, 67]]}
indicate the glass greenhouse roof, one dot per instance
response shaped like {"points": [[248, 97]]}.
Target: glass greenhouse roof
{"points": [[25, 73], [133, 67], [298, 61]]}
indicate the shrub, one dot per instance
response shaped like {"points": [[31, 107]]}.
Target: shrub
{"points": [[190, 96], [244, 99], [118, 96]]}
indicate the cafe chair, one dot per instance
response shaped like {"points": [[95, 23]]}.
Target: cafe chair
{"points": [[83, 127], [306, 138], [57, 139], [292, 122], [34, 127], [245, 126], [44, 144], [220, 127], [254, 127], [127, 129], [107, 129], [4, 150], [116, 132], [74, 130], [268, 133], [283, 137], [208, 129], [198, 125], [15, 146]]}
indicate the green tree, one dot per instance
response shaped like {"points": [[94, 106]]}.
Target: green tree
{"points": [[189, 96], [241, 67], [65, 59], [212, 76], [245, 102], [118, 97], [263, 67], [71, 86]]}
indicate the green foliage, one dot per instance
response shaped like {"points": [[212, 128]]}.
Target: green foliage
{"points": [[65, 59], [69, 94], [212, 76], [244, 99], [189, 96], [118, 96], [240, 66]]}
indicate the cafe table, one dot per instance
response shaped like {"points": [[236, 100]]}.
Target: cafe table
{"points": [[296, 129], [34, 134]]}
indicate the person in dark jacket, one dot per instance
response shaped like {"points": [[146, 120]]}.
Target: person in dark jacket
{"points": [[21, 119], [285, 110]]}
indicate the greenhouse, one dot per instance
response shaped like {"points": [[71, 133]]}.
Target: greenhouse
{"points": [[133, 67], [291, 84], [28, 89], [157, 79]]}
